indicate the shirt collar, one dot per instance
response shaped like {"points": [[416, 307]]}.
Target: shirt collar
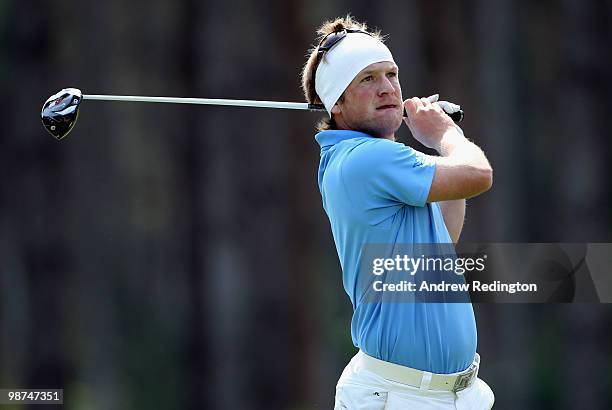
{"points": [[332, 137]]}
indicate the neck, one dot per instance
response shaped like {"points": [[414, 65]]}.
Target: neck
{"points": [[342, 125], [390, 137]]}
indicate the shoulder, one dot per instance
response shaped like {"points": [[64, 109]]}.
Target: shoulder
{"points": [[375, 154]]}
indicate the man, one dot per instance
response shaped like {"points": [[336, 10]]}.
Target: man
{"points": [[375, 190]]}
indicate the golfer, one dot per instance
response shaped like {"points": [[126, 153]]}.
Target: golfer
{"points": [[376, 190]]}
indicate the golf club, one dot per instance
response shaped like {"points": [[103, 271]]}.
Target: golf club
{"points": [[61, 110]]}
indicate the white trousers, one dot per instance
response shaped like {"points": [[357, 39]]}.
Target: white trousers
{"points": [[360, 389]]}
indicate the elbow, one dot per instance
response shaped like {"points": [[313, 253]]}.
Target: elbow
{"points": [[484, 180], [480, 181], [488, 179]]}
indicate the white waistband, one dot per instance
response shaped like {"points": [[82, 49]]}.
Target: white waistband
{"points": [[420, 379]]}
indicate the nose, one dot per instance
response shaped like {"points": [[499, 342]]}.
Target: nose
{"points": [[386, 86]]}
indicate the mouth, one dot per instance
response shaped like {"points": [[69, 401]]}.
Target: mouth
{"points": [[387, 107]]}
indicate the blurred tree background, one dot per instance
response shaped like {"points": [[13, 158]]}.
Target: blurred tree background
{"points": [[178, 256]]}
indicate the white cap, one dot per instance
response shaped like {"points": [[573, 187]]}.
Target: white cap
{"points": [[343, 62]]}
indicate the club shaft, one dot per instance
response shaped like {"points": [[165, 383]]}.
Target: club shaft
{"points": [[206, 101], [456, 116]]}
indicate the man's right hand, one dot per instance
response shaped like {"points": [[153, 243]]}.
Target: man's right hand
{"points": [[427, 121]]}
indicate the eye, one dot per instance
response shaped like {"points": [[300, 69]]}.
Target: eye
{"points": [[367, 78], [392, 74]]}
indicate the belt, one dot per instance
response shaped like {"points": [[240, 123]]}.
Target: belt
{"points": [[421, 379]]}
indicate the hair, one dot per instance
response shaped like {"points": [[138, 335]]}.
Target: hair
{"points": [[310, 68]]}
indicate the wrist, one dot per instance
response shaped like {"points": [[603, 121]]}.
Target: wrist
{"points": [[451, 138]]}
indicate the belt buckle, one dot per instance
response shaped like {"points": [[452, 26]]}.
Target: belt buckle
{"points": [[465, 380]]}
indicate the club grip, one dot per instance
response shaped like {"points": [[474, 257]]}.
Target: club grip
{"points": [[456, 116]]}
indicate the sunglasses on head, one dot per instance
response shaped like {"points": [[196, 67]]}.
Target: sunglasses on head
{"points": [[331, 40]]}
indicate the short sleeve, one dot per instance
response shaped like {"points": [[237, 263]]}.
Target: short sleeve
{"points": [[386, 170]]}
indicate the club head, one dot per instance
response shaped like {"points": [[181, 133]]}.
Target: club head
{"points": [[60, 112]]}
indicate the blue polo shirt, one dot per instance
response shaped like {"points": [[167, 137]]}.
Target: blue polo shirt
{"points": [[374, 191]]}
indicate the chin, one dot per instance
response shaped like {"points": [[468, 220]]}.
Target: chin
{"points": [[390, 117], [388, 127], [381, 125]]}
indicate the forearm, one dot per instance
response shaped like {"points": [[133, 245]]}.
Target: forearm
{"points": [[454, 216], [457, 149], [462, 169]]}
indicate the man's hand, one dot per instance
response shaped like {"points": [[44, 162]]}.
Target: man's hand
{"points": [[427, 121], [462, 169]]}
